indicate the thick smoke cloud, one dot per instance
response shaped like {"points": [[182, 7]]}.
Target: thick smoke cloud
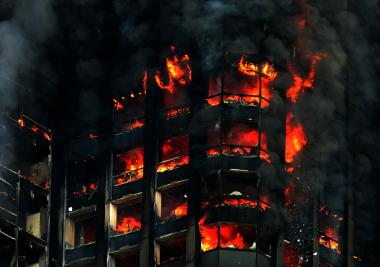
{"points": [[339, 115], [25, 28]]}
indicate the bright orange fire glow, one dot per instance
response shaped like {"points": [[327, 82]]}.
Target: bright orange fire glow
{"points": [[301, 83], [86, 189], [132, 125], [175, 112], [133, 163], [250, 69], [127, 225], [231, 236], [21, 122], [93, 136], [181, 210], [117, 105], [209, 235], [240, 140], [174, 153], [145, 81], [242, 203], [295, 138], [325, 211], [329, 243], [173, 164], [178, 70]]}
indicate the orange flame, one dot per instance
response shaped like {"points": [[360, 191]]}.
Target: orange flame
{"points": [[117, 105], [175, 112], [300, 83], [21, 122], [242, 203], [173, 164], [209, 235], [250, 69], [133, 161], [231, 235], [135, 124], [329, 243], [181, 210], [295, 138], [127, 225], [325, 211], [178, 71]]}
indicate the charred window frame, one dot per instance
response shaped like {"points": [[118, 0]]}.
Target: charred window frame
{"points": [[174, 153], [125, 215], [227, 235], [79, 228], [128, 166], [170, 248], [171, 201], [237, 88], [83, 176]]}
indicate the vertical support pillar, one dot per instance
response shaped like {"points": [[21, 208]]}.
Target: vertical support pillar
{"points": [[57, 201], [102, 208], [150, 161], [278, 250], [315, 239]]}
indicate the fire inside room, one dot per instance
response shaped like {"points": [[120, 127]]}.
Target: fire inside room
{"points": [[198, 133]]}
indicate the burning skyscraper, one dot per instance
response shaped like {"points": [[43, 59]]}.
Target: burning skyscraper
{"points": [[174, 133]]}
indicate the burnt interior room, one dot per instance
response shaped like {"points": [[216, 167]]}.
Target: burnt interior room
{"points": [[141, 133]]}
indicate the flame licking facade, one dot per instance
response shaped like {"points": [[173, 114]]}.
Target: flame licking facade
{"points": [[192, 168]]}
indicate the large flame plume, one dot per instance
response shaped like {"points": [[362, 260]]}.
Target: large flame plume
{"points": [[296, 138], [178, 71]]}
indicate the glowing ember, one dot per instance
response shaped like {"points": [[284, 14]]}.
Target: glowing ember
{"points": [[301, 83], [181, 210], [291, 256], [132, 125], [326, 212], [117, 104], [178, 71], [21, 122], [86, 189], [329, 243], [175, 112], [92, 136], [295, 138], [247, 203], [127, 225], [145, 81], [131, 165]]}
